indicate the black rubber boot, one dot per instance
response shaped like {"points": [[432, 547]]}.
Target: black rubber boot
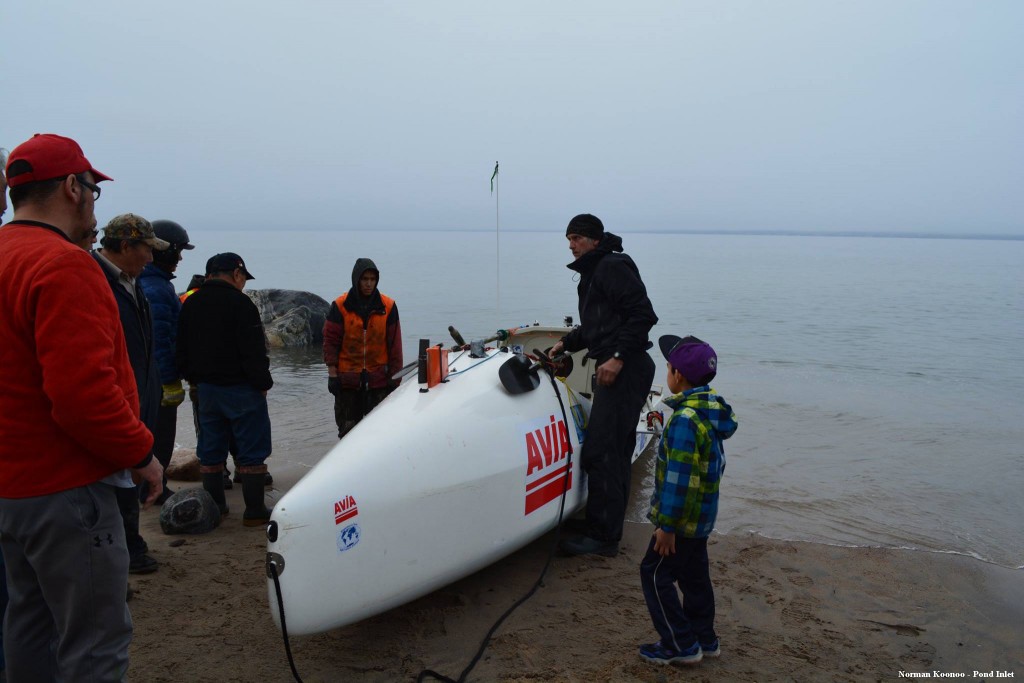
{"points": [[268, 479], [213, 482], [256, 512]]}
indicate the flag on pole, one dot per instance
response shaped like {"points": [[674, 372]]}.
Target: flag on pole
{"points": [[493, 176]]}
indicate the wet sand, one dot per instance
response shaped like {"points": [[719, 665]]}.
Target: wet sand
{"points": [[786, 611]]}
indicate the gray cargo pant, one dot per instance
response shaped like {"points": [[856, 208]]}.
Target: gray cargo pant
{"points": [[67, 573]]}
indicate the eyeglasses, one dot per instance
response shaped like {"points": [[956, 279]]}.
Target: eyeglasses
{"points": [[96, 192]]}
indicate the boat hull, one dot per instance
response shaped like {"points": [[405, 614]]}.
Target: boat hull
{"points": [[428, 488]]}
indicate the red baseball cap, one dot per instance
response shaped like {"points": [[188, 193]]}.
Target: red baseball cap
{"points": [[47, 156]]}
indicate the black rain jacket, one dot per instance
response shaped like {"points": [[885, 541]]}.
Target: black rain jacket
{"points": [[615, 313]]}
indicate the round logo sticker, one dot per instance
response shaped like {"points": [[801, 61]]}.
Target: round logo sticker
{"points": [[348, 537]]}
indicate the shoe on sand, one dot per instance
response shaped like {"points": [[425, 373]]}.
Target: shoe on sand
{"points": [[142, 564], [659, 654], [711, 650], [585, 545]]}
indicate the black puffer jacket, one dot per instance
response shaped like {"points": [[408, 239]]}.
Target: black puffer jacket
{"points": [[615, 313]]}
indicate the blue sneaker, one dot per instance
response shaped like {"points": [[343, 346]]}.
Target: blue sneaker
{"points": [[712, 649], [657, 652]]}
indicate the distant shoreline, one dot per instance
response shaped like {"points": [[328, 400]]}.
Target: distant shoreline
{"points": [[730, 233]]}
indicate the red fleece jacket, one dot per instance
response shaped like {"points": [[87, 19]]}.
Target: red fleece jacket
{"points": [[68, 401]]}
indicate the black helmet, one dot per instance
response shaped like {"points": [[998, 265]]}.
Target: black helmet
{"points": [[169, 231]]}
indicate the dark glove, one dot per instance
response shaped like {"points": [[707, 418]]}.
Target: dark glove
{"points": [[333, 385]]}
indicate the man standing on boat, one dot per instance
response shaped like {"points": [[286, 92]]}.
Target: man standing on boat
{"points": [[222, 351], [362, 347], [69, 419], [615, 318]]}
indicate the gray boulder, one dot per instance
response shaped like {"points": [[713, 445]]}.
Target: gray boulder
{"points": [[291, 318], [189, 511]]}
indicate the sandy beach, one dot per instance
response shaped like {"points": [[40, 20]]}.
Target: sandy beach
{"points": [[786, 612]]}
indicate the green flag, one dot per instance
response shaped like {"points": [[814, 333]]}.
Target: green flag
{"points": [[493, 176]]}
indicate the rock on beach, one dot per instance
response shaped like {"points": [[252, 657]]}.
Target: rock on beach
{"points": [[291, 318], [190, 511]]}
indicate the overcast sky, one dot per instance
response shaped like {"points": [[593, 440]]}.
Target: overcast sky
{"points": [[717, 115]]}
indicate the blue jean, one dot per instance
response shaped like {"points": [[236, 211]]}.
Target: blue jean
{"points": [[693, 620], [239, 411]]}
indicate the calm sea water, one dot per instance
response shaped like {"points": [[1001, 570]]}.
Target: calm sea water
{"points": [[878, 381]]}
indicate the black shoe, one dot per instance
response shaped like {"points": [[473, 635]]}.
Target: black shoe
{"points": [[164, 495], [228, 484], [259, 520], [142, 564], [585, 545]]}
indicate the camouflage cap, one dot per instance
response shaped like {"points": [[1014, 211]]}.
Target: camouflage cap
{"points": [[128, 226]]}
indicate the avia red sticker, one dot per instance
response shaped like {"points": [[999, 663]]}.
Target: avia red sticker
{"points": [[546, 445], [345, 509]]}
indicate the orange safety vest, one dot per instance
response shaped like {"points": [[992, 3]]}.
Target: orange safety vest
{"points": [[364, 347]]}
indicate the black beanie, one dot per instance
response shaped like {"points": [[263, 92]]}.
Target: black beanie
{"points": [[587, 225]]}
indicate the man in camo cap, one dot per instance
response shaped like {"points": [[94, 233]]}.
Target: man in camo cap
{"points": [[127, 246], [135, 229]]}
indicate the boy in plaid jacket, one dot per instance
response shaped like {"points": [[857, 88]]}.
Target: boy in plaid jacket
{"points": [[684, 505]]}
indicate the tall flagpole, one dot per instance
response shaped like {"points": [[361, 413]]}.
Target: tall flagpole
{"points": [[496, 189]]}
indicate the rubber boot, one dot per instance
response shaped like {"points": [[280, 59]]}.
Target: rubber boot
{"points": [[256, 512], [213, 482], [268, 479]]}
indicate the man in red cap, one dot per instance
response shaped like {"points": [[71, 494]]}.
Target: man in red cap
{"points": [[69, 424]]}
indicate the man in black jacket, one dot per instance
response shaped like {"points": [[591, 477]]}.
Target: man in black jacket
{"points": [[127, 246], [615, 318], [222, 351]]}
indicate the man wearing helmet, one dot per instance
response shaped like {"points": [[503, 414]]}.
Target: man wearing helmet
{"points": [[165, 306]]}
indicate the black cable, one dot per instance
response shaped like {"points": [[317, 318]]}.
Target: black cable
{"points": [[284, 627], [540, 579]]}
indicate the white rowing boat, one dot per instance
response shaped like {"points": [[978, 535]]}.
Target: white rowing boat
{"points": [[434, 484]]}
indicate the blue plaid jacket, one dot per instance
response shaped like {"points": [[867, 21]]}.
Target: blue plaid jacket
{"points": [[691, 461]]}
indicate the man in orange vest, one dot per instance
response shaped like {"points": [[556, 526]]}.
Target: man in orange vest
{"points": [[362, 347]]}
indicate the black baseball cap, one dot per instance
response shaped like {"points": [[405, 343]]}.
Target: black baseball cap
{"points": [[226, 263]]}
